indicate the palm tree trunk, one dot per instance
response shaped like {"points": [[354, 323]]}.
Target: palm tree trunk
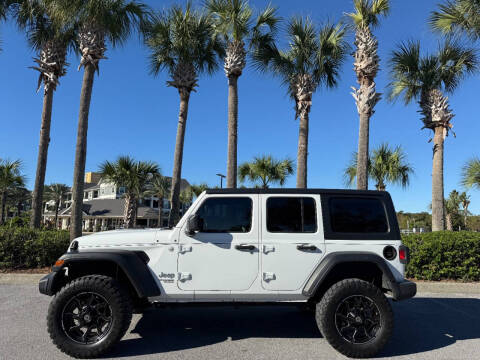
{"points": [[302, 151], [81, 151], [160, 218], [232, 131], [178, 158], [438, 208], [362, 154], [449, 222], [465, 216], [57, 204], [129, 212], [37, 194], [3, 204]]}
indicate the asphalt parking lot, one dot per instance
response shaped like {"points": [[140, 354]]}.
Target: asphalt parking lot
{"points": [[430, 326]]}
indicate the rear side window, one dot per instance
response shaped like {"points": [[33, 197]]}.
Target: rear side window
{"points": [[357, 215], [291, 215], [223, 214]]}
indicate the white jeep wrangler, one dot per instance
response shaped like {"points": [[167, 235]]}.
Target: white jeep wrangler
{"points": [[337, 251]]}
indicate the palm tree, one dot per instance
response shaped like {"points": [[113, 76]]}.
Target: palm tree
{"points": [[471, 174], [465, 201], [198, 189], [385, 165], [456, 17], [452, 205], [234, 21], [160, 188], [425, 79], [4, 8], [182, 42], [52, 42], [97, 21], [10, 179], [313, 59], [57, 193], [186, 197], [18, 197], [133, 176], [265, 170], [366, 67]]}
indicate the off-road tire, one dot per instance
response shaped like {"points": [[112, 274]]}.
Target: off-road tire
{"points": [[327, 307], [121, 310]]}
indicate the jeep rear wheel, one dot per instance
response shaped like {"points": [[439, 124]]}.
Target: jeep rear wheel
{"points": [[89, 315], [355, 317]]}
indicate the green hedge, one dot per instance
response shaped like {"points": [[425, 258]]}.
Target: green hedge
{"points": [[444, 255], [434, 256], [24, 248]]}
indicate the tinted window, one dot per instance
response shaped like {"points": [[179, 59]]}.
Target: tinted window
{"points": [[224, 214], [291, 215], [357, 215]]}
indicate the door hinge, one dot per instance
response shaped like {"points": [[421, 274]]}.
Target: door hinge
{"points": [[268, 276], [268, 248], [182, 249], [184, 276]]}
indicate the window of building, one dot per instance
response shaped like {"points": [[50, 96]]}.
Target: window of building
{"points": [[85, 195], [146, 202], [223, 214], [357, 215], [155, 204], [95, 194], [291, 215]]}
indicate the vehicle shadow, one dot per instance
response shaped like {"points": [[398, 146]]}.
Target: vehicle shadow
{"points": [[421, 324]]}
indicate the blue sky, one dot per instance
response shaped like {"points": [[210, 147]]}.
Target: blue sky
{"points": [[136, 114]]}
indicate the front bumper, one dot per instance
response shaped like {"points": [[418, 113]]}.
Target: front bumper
{"points": [[403, 290], [45, 285]]}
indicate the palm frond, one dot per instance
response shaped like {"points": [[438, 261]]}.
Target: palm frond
{"points": [[367, 12], [183, 36], [457, 17], [117, 18], [350, 172], [264, 170], [471, 174], [405, 73]]}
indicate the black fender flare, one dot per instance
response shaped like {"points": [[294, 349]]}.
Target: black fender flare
{"points": [[331, 260], [132, 263]]}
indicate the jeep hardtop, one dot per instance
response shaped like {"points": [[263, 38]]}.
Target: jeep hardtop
{"points": [[338, 252]]}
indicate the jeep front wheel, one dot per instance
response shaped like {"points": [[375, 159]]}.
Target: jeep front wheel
{"points": [[355, 317], [89, 315]]}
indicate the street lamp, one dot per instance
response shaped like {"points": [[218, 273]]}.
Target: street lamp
{"points": [[221, 179]]}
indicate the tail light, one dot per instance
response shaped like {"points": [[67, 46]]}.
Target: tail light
{"points": [[403, 254]]}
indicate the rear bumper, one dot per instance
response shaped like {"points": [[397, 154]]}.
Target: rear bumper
{"points": [[403, 290]]}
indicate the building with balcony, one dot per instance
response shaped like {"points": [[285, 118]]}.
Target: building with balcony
{"points": [[104, 205]]}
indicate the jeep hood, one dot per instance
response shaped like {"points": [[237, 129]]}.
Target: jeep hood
{"points": [[127, 237]]}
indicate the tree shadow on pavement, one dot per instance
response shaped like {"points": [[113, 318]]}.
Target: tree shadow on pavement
{"points": [[421, 324]]}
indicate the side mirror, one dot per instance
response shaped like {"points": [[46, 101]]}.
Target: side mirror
{"points": [[193, 225]]}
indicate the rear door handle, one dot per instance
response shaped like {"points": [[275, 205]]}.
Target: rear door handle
{"points": [[306, 247], [245, 247]]}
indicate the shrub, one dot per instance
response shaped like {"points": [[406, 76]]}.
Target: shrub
{"points": [[444, 255], [21, 247]]}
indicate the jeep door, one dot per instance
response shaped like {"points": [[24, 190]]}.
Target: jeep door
{"points": [[292, 240], [223, 255]]}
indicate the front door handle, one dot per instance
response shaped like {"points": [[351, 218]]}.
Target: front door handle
{"points": [[245, 247], [306, 247]]}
